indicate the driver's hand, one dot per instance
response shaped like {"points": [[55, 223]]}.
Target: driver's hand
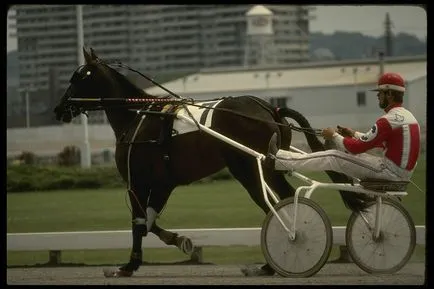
{"points": [[345, 131], [327, 133]]}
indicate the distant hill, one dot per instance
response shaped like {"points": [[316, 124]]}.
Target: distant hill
{"points": [[346, 45]]}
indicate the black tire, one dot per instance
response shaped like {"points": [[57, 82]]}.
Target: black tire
{"points": [[312, 239], [395, 246]]}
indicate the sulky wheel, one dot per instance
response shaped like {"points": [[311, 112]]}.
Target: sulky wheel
{"points": [[308, 252], [392, 249]]}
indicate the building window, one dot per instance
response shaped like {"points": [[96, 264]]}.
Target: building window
{"points": [[278, 101], [361, 98]]}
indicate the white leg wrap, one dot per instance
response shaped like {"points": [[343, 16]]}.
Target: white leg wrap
{"points": [[151, 214], [139, 221]]}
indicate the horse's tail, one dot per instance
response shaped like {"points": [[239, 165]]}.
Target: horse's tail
{"points": [[314, 143], [355, 202]]}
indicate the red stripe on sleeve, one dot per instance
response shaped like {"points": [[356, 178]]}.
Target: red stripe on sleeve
{"points": [[395, 146]]}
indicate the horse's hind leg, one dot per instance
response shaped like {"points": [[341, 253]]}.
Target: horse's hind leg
{"points": [[278, 183], [246, 172]]}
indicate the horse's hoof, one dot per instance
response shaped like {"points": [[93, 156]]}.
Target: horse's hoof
{"points": [[185, 245], [116, 273], [254, 271]]}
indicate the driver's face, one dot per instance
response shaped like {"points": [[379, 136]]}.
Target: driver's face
{"points": [[382, 99], [380, 95]]}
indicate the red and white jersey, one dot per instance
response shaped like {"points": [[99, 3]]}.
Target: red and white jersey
{"points": [[397, 132]]}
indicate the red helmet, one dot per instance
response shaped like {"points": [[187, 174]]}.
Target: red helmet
{"points": [[392, 81]]}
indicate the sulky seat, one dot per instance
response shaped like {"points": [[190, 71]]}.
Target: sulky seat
{"points": [[384, 185]]}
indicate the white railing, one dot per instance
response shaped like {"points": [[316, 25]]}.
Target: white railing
{"points": [[55, 242]]}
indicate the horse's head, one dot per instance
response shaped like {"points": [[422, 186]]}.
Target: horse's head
{"points": [[94, 79]]}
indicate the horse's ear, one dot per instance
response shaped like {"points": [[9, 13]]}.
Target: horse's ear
{"points": [[92, 54], [87, 56]]}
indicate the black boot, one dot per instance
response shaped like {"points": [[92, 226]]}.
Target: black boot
{"points": [[272, 145], [270, 159]]}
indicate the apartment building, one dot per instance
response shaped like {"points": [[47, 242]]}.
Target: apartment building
{"points": [[153, 39]]}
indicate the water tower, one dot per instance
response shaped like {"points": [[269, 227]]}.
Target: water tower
{"points": [[259, 46]]}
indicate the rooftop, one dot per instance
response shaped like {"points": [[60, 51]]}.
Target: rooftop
{"points": [[259, 10], [312, 74]]}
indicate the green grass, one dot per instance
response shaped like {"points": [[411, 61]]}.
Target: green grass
{"points": [[204, 205], [218, 204]]}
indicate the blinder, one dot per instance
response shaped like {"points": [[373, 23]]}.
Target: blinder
{"points": [[75, 107], [77, 75]]}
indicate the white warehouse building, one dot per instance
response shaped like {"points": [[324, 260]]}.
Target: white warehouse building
{"points": [[327, 94]]}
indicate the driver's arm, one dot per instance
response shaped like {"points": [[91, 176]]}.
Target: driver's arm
{"points": [[364, 142]]}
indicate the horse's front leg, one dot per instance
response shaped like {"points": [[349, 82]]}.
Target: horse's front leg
{"points": [[139, 230], [158, 198], [173, 239]]}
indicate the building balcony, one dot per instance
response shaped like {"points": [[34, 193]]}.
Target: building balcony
{"points": [[42, 25], [71, 32], [108, 19], [116, 28], [29, 14]]}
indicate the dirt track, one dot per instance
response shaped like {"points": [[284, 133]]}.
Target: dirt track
{"points": [[330, 274]]}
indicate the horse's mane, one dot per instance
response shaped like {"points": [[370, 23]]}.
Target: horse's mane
{"points": [[128, 85]]}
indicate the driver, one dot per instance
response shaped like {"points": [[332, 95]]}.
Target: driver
{"points": [[396, 132]]}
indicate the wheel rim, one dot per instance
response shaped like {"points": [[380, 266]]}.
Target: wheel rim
{"points": [[391, 250], [308, 252]]}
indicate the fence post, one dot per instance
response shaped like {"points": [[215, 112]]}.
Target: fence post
{"points": [[197, 256], [55, 257], [344, 256]]}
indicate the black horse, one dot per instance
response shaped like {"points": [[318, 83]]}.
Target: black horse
{"points": [[153, 162]]}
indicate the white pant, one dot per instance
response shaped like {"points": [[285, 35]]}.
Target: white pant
{"points": [[360, 166]]}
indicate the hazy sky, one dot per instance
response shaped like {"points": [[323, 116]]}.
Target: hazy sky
{"points": [[368, 20]]}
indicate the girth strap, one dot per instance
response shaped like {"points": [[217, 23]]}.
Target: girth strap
{"points": [[167, 118]]}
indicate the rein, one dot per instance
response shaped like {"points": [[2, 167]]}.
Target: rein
{"points": [[133, 102], [119, 64], [141, 101]]}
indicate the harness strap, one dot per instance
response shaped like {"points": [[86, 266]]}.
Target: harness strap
{"points": [[132, 102], [167, 128], [128, 162], [315, 131], [190, 101]]}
